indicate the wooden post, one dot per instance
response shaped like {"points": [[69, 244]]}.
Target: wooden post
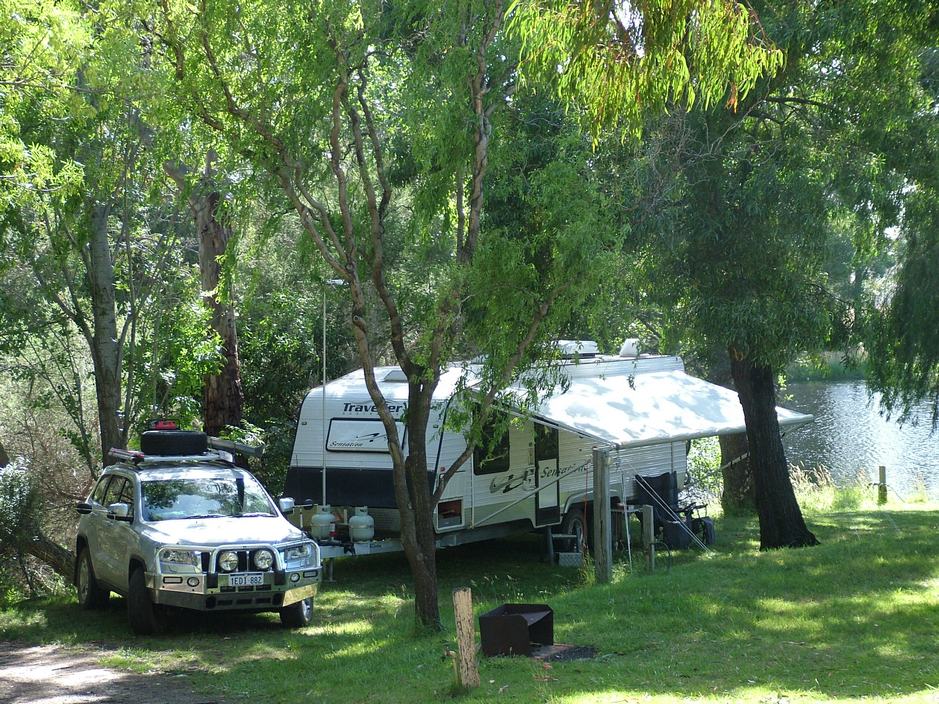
{"points": [[466, 671], [648, 535], [882, 486], [602, 538]]}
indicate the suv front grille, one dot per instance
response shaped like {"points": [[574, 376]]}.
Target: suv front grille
{"points": [[244, 562]]}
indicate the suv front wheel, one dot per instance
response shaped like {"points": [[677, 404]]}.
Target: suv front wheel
{"points": [[146, 618], [297, 615], [90, 594]]}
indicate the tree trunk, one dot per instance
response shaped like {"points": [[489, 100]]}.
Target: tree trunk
{"points": [[62, 561], [222, 399], [423, 557], [4, 457], [781, 522], [222, 396], [105, 349], [737, 493]]}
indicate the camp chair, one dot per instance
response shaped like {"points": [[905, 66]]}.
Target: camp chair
{"points": [[676, 522]]}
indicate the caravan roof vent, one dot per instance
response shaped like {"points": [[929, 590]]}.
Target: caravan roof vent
{"points": [[630, 347], [396, 376], [584, 349]]}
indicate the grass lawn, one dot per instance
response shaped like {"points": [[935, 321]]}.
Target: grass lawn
{"points": [[856, 618]]}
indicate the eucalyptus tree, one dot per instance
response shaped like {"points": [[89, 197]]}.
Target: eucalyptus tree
{"points": [[60, 232], [757, 200], [377, 125], [86, 226], [222, 396]]}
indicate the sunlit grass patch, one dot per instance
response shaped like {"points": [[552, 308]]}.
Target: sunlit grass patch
{"points": [[852, 619]]}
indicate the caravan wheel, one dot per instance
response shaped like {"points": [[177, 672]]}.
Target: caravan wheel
{"points": [[575, 524]]}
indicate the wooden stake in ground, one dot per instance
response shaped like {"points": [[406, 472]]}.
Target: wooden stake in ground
{"points": [[467, 672], [602, 540]]}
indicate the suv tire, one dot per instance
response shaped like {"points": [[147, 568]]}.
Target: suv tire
{"points": [[146, 618], [297, 615], [90, 594]]}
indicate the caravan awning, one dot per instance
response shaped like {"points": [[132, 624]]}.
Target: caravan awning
{"points": [[648, 408]]}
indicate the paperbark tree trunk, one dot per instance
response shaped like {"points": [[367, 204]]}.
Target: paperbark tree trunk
{"points": [[781, 521], [105, 346]]}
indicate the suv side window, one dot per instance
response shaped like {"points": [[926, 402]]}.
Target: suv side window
{"points": [[98, 494], [115, 488], [127, 494]]}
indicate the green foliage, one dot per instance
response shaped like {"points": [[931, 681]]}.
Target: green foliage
{"points": [[704, 469], [753, 224], [73, 144], [616, 63], [903, 335], [19, 506]]}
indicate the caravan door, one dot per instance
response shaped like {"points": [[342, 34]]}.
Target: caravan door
{"points": [[547, 499]]}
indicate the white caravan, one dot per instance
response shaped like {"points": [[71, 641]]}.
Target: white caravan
{"points": [[643, 408]]}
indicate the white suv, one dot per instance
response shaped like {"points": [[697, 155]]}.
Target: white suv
{"points": [[180, 525]]}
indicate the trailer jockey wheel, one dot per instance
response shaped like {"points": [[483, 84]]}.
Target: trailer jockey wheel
{"points": [[575, 524]]}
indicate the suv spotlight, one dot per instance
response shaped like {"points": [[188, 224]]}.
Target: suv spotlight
{"points": [[178, 524]]}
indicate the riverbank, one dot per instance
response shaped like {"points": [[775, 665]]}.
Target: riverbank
{"points": [[852, 619], [829, 366]]}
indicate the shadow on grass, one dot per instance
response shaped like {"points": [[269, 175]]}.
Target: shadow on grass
{"points": [[854, 617]]}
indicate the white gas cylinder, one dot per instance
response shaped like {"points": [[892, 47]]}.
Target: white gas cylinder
{"points": [[323, 523], [361, 525]]}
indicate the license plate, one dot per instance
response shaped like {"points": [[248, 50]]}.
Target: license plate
{"points": [[245, 580]]}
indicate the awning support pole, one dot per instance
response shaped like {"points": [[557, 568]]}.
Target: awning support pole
{"points": [[602, 517]]}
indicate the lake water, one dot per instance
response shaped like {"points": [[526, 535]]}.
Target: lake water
{"points": [[850, 436]]}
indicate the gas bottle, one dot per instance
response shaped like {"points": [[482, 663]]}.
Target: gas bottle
{"points": [[361, 525], [322, 523]]}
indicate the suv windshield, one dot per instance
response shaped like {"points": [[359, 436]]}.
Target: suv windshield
{"points": [[210, 497]]}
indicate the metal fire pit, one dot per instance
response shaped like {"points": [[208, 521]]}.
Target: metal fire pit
{"points": [[511, 629]]}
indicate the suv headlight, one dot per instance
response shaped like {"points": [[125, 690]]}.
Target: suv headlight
{"points": [[301, 555], [173, 561], [263, 559], [228, 561]]}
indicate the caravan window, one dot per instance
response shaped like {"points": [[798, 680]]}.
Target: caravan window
{"points": [[359, 435], [491, 456]]}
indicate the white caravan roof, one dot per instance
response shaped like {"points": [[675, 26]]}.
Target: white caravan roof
{"points": [[616, 401], [648, 408]]}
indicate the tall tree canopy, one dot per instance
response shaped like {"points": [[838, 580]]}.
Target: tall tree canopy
{"points": [[757, 199], [376, 125]]}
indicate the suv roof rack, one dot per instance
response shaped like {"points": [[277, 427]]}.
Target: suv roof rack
{"points": [[137, 458], [221, 450], [238, 448]]}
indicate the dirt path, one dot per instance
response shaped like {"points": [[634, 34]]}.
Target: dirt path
{"points": [[50, 674]]}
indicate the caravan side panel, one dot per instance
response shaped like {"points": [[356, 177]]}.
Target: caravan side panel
{"points": [[650, 460]]}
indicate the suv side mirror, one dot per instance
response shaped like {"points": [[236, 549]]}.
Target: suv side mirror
{"points": [[120, 512], [286, 505], [83, 507]]}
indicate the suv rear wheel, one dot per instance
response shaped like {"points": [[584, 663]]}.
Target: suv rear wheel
{"points": [[90, 594], [146, 618], [297, 615]]}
